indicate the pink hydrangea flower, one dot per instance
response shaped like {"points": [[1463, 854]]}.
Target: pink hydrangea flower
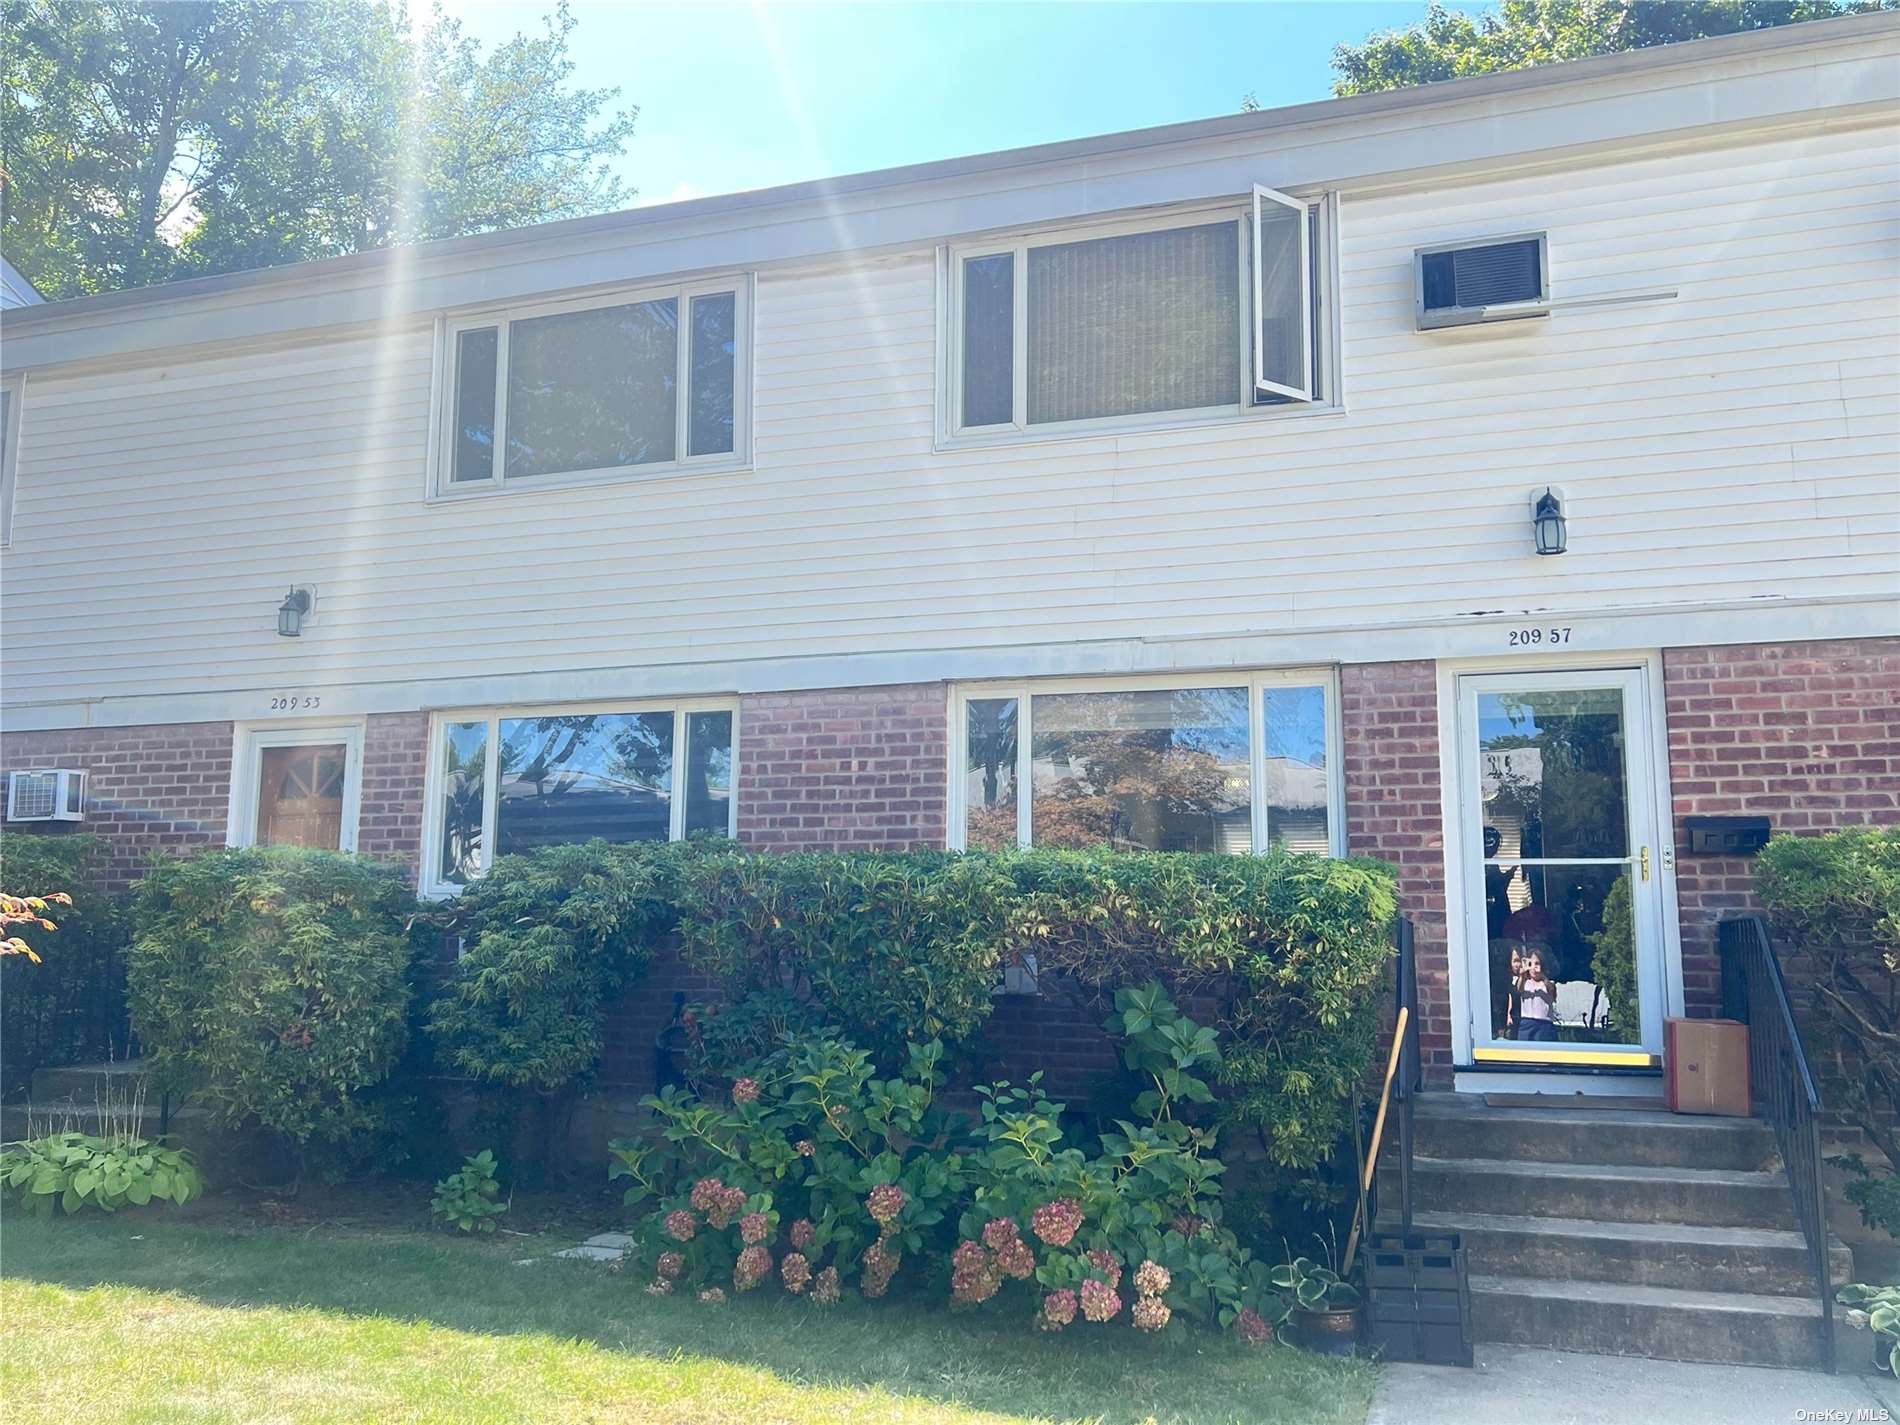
{"points": [[1252, 1327], [879, 1266], [806, 1147], [681, 1225], [803, 1234], [670, 1264], [824, 1287], [1058, 1310], [795, 1272], [974, 1276], [1099, 1301], [1152, 1279], [754, 1228], [713, 1296], [885, 1202], [754, 1266], [1016, 1259], [999, 1230], [659, 1286], [1189, 1225], [707, 1194], [728, 1204], [1057, 1222], [1151, 1313], [745, 1091], [1105, 1266]]}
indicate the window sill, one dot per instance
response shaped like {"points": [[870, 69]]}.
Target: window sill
{"points": [[542, 484], [1134, 425]]}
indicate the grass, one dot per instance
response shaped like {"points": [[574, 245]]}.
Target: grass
{"points": [[135, 1318]]}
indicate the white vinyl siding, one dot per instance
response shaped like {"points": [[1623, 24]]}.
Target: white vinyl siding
{"points": [[1735, 444], [12, 409]]}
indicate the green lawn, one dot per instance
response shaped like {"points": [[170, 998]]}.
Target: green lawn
{"points": [[137, 1318]]}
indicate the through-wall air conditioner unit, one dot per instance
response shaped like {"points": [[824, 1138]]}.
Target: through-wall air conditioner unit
{"points": [[1460, 284], [55, 794]]}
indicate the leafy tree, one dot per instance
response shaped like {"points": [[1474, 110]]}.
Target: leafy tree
{"points": [[1448, 44], [144, 142]]}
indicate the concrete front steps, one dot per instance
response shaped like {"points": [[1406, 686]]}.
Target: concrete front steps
{"points": [[1621, 1232]]}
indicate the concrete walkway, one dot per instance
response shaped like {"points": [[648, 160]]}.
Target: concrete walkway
{"points": [[1513, 1385]]}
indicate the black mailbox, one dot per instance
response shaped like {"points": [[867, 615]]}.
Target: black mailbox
{"points": [[1726, 835]]}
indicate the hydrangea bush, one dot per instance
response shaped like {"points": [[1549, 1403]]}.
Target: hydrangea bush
{"points": [[817, 1173]]}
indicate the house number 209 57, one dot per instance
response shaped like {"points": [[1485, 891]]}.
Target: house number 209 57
{"points": [[1531, 637], [290, 702]]}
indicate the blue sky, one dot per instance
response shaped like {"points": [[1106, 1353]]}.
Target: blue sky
{"points": [[743, 96]]}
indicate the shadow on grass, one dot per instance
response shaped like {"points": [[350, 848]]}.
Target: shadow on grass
{"points": [[990, 1361]]}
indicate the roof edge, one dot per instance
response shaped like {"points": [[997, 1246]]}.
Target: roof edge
{"points": [[1312, 113]]}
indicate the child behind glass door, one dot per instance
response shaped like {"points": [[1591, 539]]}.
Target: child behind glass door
{"points": [[1536, 1002]]}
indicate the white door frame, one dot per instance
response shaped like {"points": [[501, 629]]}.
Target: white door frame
{"points": [[1655, 733], [249, 739]]}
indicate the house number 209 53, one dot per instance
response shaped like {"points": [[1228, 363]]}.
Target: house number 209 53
{"points": [[291, 702], [1531, 637]]}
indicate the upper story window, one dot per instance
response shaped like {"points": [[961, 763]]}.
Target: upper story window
{"points": [[504, 780], [12, 392], [633, 384], [1212, 762], [1213, 313]]}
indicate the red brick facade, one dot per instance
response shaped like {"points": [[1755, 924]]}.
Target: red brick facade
{"points": [[855, 769], [1807, 734], [395, 758], [1388, 714], [148, 789]]}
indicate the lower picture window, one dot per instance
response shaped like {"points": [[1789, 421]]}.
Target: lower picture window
{"points": [[507, 782], [1199, 766], [297, 787]]}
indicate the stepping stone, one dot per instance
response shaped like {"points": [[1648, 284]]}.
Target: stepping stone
{"points": [[590, 1252], [620, 1240]]}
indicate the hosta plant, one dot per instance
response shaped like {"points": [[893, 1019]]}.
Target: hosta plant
{"points": [[78, 1170], [470, 1198], [1308, 1285], [1882, 1306]]}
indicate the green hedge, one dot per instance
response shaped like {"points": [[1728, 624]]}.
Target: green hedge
{"points": [[1835, 901], [71, 1007], [274, 984]]}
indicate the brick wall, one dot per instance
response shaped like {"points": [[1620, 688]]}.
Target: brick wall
{"points": [[395, 760], [1807, 734], [852, 769], [153, 788], [1394, 810]]}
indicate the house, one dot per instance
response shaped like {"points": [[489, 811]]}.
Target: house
{"points": [[1489, 477]]}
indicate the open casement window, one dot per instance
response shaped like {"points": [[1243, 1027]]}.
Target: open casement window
{"points": [[638, 383], [1282, 296], [1207, 313], [503, 781], [1209, 763]]}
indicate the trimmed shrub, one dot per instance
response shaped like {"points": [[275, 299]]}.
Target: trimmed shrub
{"points": [[893, 947], [272, 982], [71, 1006], [1835, 901], [545, 938]]}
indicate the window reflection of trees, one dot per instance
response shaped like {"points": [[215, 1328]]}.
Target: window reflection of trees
{"points": [[1161, 770], [571, 777]]}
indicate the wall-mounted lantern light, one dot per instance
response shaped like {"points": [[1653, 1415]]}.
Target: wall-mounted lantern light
{"points": [[1547, 520], [290, 613]]}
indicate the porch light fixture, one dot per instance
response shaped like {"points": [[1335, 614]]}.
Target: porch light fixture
{"points": [[290, 613], [1547, 520]]}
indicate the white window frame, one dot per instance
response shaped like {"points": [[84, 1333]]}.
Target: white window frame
{"points": [[442, 484], [431, 880], [247, 760], [1327, 399], [1257, 682], [15, 387]]}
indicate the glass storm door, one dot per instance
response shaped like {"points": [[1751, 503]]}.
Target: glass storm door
{"points": [[1563, 930]]}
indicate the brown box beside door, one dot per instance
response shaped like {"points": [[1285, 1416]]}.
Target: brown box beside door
{"points": [[1705, 1065]]}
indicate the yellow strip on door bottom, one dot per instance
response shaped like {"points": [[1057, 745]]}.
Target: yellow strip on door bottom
{"points": [[1612, 1058]]}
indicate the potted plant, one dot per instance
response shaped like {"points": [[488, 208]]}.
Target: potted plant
{"points": [[1322, 1308]]}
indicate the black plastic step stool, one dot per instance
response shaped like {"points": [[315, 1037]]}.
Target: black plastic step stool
{"points": [[1418, 1298]]}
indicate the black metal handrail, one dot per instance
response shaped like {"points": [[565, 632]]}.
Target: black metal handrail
{"points": [[1783, 1084], [1405, 1088]]}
